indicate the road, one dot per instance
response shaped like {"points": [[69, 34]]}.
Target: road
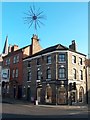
{"points": [[32, 111]]}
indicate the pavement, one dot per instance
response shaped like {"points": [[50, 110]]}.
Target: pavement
{"points": [[24, 102], [14, 101]]}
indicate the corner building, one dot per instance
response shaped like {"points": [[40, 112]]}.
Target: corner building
{"points": [[55, 75]]}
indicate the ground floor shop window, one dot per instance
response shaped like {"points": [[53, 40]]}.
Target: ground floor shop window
{"points": [[28, 93], [38, 94], [61, 95], [14, 91], [73, 96], [81, 94], [24, 91], [48, 94], [7, 88]]}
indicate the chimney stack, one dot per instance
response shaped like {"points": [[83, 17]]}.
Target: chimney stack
{"points": [[73, 45], [14, 48], [35, 44], [9, 48]]}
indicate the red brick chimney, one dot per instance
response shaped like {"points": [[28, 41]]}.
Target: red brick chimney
{"points": [[14, 48], [35, 44]]}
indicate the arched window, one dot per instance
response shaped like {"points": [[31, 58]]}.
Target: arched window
{"points": [[61, 95], [48, 94], [62, 72], [39, 75], [81, 94], [74, 73], [48, 73]]}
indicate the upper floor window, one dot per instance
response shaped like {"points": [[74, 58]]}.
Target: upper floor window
{"points": [[16, 72], [74, 73], [38, 61], [62, 73], [81, 75], [48, 73], [7, 61], [13, 73], [38, 74], [61, 57], [73, 59], [16, 59], [80, 61], [49, 59], [29, 75], [29, 63]]}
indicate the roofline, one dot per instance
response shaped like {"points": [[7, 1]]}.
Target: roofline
{"points": [[16, 51], [77, 52], [47, 53]]}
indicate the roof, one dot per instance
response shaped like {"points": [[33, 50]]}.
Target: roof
{"points": [[9, 54], [51, 49]]}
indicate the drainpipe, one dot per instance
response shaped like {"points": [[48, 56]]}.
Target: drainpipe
{"points": [[56, 78], [86, 85]]}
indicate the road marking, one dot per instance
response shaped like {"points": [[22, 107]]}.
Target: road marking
{"points": [[73, 113], [27, 105]]}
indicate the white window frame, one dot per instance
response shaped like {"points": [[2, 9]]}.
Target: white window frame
{"points": [[17, 58], [13, 73], [49, 59], [73, 59], [81, 75], [29, 75], [74, 73], [38, 74], [80, 61], [62, 73], [48, 73], [14, 59], [16, 73], [60, 58]]}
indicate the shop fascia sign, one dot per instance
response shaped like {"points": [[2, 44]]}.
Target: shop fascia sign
{"points": [[5, 74]]}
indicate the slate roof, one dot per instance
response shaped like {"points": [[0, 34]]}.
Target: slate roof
{"points": [[14, 52], [51, 49]]}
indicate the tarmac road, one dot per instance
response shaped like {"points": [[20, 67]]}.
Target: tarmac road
{"points": [[42, 111]]}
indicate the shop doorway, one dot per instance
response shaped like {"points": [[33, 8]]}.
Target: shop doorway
{"points": [[62, 95]]}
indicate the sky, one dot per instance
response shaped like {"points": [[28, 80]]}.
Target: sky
{"points": [[65, 21]]}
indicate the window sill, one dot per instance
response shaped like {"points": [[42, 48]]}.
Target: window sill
{"points": [[29, 67], [62, 62], [62, 79], [38, 65], [48, 79], [73, 63], [48, 63], [28, 81]]}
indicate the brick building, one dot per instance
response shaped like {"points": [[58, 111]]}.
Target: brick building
{"points": [[14, 62], [4, 74], [87, 62], [55, 75]]}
